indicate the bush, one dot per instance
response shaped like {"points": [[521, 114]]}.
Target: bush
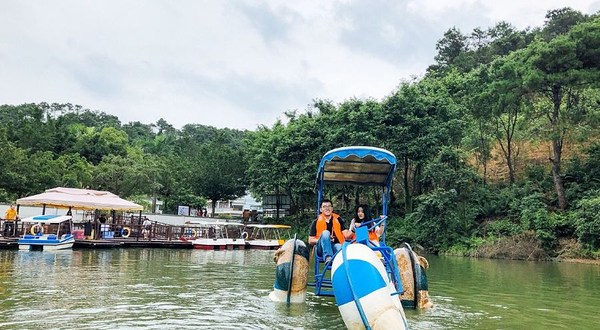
{"points": [[504, 227], [435, 221], [539, 176], [533, 215], [563, 224], [400, 230], [530, 210], [587, 223], [581, 174]]}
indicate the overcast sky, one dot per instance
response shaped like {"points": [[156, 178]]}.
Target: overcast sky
{"points": [[233, 64]]}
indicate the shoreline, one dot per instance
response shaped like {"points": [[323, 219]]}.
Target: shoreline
{"points": [[579, 261], [555, 259]]}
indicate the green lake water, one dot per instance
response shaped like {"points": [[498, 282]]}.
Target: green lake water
{"points": [[195, 289]]}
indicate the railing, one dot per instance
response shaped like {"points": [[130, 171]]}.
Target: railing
{"points": [[5, 228], [133, 228]]}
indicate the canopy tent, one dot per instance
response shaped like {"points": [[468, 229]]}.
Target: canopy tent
{"points": [[80, 199]]}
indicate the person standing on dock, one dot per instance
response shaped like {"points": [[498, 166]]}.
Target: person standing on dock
{"points": [[87, 227], [147, 227], [9, 221], [328, 232]]}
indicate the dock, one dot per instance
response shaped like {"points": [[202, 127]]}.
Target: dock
{"points": [[125, 243], [11, 244], [8, 243]]}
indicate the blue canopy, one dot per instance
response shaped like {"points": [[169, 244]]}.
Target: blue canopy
{"points": [[48, 219], [357, 165]]}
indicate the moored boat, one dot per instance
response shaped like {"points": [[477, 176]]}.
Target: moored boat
{"points": [[235, 236], [47, 233], [209, 236], [266, 237]]}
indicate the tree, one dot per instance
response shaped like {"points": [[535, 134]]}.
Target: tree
{"points": [[505, 97], [479, 136], [74, 171], [137, 131], [557, 71], [265, 148], [126, 176], [417, 120], [13, 165], [219, 172], [450, 48], [560, 21]]}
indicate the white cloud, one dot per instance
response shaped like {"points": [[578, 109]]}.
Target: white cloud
{"points": [[229, 64]]}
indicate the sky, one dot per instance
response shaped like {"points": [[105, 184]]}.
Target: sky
{"points": [[236, 64]]}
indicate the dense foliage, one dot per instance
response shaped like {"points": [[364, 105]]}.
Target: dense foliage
{"points": [[499, 138], [49, 145]]}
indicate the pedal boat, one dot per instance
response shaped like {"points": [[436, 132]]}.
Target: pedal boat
{"points": [[47, 233]]}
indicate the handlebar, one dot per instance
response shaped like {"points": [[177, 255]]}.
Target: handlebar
{"points": [[377, 221]]}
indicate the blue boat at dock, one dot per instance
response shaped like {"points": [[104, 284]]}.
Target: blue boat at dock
{"points": [[47, 233]]}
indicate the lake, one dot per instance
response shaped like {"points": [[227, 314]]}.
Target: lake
{"points": [[195, 289]]}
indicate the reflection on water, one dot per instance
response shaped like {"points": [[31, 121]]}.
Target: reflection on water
{"points": [[196, 289]]}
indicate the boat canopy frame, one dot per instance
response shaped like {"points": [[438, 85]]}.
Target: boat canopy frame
{"points": [[357, 165]]}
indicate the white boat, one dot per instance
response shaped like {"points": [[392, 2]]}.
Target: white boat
{"points": [[47, 233], [266, 237], [208, 235], [217, 235], [235, 236]]}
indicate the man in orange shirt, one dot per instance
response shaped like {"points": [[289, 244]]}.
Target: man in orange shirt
{"points": [[328, 231]]}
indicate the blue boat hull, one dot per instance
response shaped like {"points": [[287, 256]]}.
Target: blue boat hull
{"points": [[46, 242]]}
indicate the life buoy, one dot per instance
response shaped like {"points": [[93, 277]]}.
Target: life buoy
{"points": [[192, 233], [34, 231], [245, 235], [125, 232]]}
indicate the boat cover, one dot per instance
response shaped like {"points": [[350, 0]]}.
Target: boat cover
{"points": [[47, 219], [80, 199], [357, 165]]}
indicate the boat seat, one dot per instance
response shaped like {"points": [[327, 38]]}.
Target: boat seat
{"points": [[29, 236], [51, 236]]}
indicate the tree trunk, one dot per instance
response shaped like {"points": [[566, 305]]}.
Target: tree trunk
{"points": [[483, 154], [213, 204], [417, 186], [507, 132], [407, 197], [153, 201], [509, 162], [558, 182], [557, 144]]}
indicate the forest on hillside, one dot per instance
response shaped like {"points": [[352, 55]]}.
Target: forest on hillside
{"points": [[498, 143]]}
